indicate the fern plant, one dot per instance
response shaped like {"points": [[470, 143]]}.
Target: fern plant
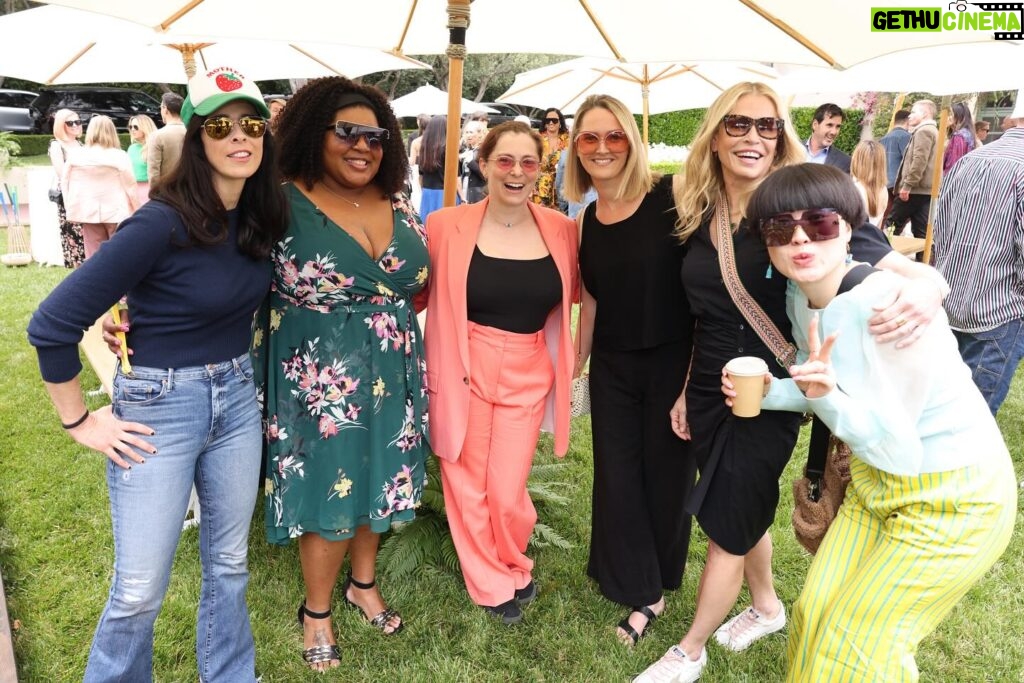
{"points": [[427, 540]]}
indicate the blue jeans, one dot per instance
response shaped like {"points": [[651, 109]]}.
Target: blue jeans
{"points": [[208, 433], [993, 357]]}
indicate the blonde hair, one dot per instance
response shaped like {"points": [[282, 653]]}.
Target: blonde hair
{"points": [[147, 128], [704, 184], [637, 178], [60, 130], [102, 133], [868, 166]]}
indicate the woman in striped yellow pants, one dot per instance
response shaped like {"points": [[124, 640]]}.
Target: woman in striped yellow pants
{"points": [[932, 500]]}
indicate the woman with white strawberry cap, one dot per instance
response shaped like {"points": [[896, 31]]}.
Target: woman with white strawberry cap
{"points": [[194, 264]]}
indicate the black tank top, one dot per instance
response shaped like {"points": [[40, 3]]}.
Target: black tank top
{"points": [[511, 294]]}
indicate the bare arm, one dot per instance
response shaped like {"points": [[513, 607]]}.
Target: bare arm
{"points": [[905, 315], [585, 330], [100, 430]]}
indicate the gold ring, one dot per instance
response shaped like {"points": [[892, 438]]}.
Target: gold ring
{"points": [[900, 321]]}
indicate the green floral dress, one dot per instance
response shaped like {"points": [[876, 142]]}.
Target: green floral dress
{"points": [[340, 355]]}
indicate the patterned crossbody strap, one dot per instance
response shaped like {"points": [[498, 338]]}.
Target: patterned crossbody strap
{"points": [[784, 352]]}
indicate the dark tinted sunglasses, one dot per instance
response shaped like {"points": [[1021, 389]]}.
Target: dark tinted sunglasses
{"points": [[134, 126], [818, 224], [219, 127], [768, 127], [73, 124], [349, 134], [552, 121]]}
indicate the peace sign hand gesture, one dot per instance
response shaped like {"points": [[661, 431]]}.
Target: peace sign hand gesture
{"points": [[816, 377]]}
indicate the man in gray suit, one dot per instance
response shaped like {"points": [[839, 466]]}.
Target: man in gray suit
{"points": [[828, 118]]}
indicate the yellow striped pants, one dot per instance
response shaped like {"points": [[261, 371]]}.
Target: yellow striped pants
{"points": [[900, 554]]}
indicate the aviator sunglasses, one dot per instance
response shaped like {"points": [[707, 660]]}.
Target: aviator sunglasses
{"points": [[349, 133], [614, 141], [219, 127], [506, 163], [768, 127], [818, 224]]}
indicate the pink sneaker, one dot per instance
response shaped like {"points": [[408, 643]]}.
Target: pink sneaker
{"points": [[674, 667], [749, 626]]}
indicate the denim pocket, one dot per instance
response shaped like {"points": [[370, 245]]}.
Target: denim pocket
{"points": [[139, 392]]}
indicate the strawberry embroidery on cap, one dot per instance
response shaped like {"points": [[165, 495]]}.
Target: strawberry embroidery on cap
{"points": [[228, 81]]}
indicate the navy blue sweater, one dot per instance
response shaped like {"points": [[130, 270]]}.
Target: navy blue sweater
{"points": [[188, 305]]}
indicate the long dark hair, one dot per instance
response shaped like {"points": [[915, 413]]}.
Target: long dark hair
{"points": [[189, 189], [310, 112], [431, 157]]}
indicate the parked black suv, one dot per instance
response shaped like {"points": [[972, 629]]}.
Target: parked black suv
{"points": [[14, 113], [117, 103], [508, 112]]}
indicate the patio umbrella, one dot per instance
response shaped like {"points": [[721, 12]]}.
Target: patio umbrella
{"points": [[85, 47], [427, 99], [646, 87], [834, 33]]}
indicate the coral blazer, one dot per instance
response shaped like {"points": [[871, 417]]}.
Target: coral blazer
{"points": [[451, 237]]}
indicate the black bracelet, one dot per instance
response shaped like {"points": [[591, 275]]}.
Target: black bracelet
{"points": [[78, 422]]}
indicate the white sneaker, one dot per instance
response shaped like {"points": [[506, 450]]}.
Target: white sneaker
{"points": [[748, 626], [674, 667]]}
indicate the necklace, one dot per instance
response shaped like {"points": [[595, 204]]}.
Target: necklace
{"points": [[339, 195], [506, 224]]}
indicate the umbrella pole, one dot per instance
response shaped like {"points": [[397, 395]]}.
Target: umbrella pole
{"points": [[896, 106], [645, 93], [458, 23], [940, 145]]}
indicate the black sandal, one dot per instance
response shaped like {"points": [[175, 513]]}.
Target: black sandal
{"points": [[318, 654], [381, 621], [628, 628]]}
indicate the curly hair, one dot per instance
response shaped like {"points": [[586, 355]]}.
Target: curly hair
{"points": [[310, 112]]}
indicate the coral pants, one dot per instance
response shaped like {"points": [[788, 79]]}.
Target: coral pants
{"points": [[489, 509], [901, 552]]}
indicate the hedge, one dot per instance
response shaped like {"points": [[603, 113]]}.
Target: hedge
{"points": [[33, 145], [680, 127]]}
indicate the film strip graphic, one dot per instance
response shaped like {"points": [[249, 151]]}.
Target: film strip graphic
{"points": [[997, 7]]}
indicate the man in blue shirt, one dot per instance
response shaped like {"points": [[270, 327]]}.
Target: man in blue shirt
{"points": [[895, 144], [828, 118]]}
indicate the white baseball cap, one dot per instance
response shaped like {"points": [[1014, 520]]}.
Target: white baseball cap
{"points": [[210, 91]]}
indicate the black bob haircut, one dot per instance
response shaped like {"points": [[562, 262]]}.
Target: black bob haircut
{"points": [[805, 186], [310, 112]]}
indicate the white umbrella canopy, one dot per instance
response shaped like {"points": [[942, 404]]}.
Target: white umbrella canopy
{"points": [[85, 47], [428, 99], [819, 32], [646, 87], [939, 69]]}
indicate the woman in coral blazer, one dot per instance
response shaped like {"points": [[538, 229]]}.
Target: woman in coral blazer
{"points": [[499, 362]]}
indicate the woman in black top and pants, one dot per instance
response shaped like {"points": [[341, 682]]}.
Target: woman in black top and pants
{"points": [[637, 329]]}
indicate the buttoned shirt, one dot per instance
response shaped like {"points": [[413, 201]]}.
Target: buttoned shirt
{"points": [[816, 157], [979, 235]]}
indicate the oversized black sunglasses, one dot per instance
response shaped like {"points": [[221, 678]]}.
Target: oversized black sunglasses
{"points": [[349, 133], [768, 127], [818, 224]]}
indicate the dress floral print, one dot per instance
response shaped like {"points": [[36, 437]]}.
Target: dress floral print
{"points": [[339, 350], [545, 193]]}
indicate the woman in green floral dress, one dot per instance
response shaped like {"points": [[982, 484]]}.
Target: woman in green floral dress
{"points": [[345, 396]]}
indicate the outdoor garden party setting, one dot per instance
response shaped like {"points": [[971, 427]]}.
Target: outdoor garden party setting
{"points": [[465, 340]]}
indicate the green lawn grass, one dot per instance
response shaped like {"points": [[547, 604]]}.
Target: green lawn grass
{"points": [[56, 556]]}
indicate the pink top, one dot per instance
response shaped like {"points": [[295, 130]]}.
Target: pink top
{"points": [[98, 185]]}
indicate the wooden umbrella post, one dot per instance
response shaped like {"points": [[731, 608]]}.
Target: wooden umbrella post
{"points": [[458, 24], [936, 175]]}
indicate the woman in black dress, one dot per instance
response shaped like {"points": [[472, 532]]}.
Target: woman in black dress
{"points": [[745, 136], [636, 329]]}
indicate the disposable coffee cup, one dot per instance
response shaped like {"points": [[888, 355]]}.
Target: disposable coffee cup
{"points": [[747, 376]]}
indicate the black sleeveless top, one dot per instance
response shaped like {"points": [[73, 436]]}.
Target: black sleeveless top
{"points": [[632, 269], [511, 294]]}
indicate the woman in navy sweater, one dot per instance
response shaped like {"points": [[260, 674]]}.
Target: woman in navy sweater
{"points": [[194, 264]]}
